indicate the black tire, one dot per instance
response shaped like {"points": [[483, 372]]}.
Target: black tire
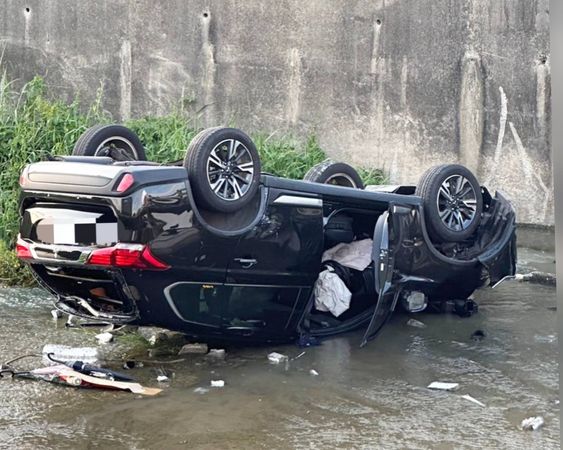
{"points": [[452, 202], [223, 168], [337, 173], [116, 141]]}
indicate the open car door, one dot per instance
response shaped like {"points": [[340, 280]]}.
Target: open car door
{"points": [[386, 238]]}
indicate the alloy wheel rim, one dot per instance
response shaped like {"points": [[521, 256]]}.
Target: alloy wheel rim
{"points": [[341, 179], [117, 142], [230, 170], [457, 203]]}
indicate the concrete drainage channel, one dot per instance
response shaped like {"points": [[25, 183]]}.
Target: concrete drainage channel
{"points": [[496, 376]]}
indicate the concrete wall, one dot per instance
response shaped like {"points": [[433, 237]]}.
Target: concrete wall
{"points": [[397, 84]]}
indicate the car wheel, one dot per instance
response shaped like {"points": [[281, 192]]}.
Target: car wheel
{"points": [[223, 168], [115, 141], [337, 173], [452, 202]]}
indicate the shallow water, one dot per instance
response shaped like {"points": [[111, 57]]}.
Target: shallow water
{"points": [[374, 397]]}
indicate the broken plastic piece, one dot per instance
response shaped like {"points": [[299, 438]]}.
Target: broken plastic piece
{"points": [[218, 353], [532, 423], [65, 375], [56, 314], [415, 323], [313, 372], [217, 383], [473, 400], [443, 386], [201, 390], [162, 379], [277, 358]]}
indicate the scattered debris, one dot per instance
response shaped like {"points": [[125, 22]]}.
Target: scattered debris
{"points": [[299, 356], [193, 349], [473, 400], [218, 353], [157, 336], [65, 353], [162, 379], [532, 423], [70, 321], [104, 338], [314, 372], [478, 335], [217, 383], [277, 358], [94, 378], [56, 314], [438, 385], [110, 327], [201, 390], [77, 373], [306, 340], [537, 277], [416, 323]]}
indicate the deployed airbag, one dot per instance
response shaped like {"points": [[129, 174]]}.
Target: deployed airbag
{"points": [[356, 255], [331, 294]]}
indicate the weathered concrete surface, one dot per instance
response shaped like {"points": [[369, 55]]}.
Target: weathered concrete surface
{"points": [[394, 84]]}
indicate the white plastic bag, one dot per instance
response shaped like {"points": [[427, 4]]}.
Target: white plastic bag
{"points": [[331, 294]]}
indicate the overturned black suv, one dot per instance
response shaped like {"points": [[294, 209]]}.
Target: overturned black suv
{"points": [[218, 250]]}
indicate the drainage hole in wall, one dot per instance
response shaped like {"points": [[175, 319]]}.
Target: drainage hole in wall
{"points": [[27, 10]]}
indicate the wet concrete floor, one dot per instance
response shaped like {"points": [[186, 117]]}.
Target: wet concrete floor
{"points": [[374, 397]]}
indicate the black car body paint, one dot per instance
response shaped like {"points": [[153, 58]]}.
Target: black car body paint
{"points": [[245, 276]]}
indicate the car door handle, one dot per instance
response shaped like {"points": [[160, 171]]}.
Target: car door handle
{"points": [[246, 263]]}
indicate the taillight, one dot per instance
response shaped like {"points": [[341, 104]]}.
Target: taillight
{"points": [[126, 182], [133, 256], [22, 180], [23, 250]]}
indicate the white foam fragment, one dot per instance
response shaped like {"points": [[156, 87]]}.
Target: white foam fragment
{"points": [[104, 338], [438, 385], [162, 378], [217, 383], [277, 358], [314, 372], [473, 400], [416, 323], [532, 423]]}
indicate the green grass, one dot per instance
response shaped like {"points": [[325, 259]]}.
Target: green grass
{"points": [[34, 124], [12, 272]]}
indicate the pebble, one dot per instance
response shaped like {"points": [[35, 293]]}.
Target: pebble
{"points": [[194, 349]]}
